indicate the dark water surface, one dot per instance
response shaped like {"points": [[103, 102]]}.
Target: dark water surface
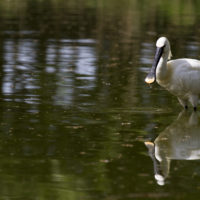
{"points": [[77, 120]]}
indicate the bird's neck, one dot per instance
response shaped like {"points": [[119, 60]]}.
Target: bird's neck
{"points": [[161, 71]]}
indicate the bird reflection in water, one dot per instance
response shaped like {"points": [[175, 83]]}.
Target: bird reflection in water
{"points": [[179, 141]]}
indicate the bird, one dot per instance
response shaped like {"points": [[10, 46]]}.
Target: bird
{"points": [[178, 141], [181, 77]]}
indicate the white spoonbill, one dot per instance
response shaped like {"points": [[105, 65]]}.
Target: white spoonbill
{"points": [[181, 77]]}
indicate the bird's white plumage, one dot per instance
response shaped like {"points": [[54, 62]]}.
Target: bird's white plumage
{"points": [[161, 41], [181, 76]]}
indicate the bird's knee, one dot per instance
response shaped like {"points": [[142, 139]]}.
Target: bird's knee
{"points": [[186, 107], [194, 101], [183, 103]]}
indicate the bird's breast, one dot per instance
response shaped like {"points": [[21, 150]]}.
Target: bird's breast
{"points": [[181, 81]]}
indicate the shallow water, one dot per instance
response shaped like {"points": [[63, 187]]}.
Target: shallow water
{"points": [[75, 112]]}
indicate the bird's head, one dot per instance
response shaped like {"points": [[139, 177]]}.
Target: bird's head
{"points": [[163, 43], [163, 48]]}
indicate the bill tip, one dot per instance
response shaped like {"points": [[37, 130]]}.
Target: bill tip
{"points": [[149, 80], [149, 143]]}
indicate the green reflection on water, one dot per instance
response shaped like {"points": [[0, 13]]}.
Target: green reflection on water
{"points": [[75, 111]]}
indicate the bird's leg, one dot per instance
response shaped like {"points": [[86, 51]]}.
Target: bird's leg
{"points": [[194, 101], [183, 103]]}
